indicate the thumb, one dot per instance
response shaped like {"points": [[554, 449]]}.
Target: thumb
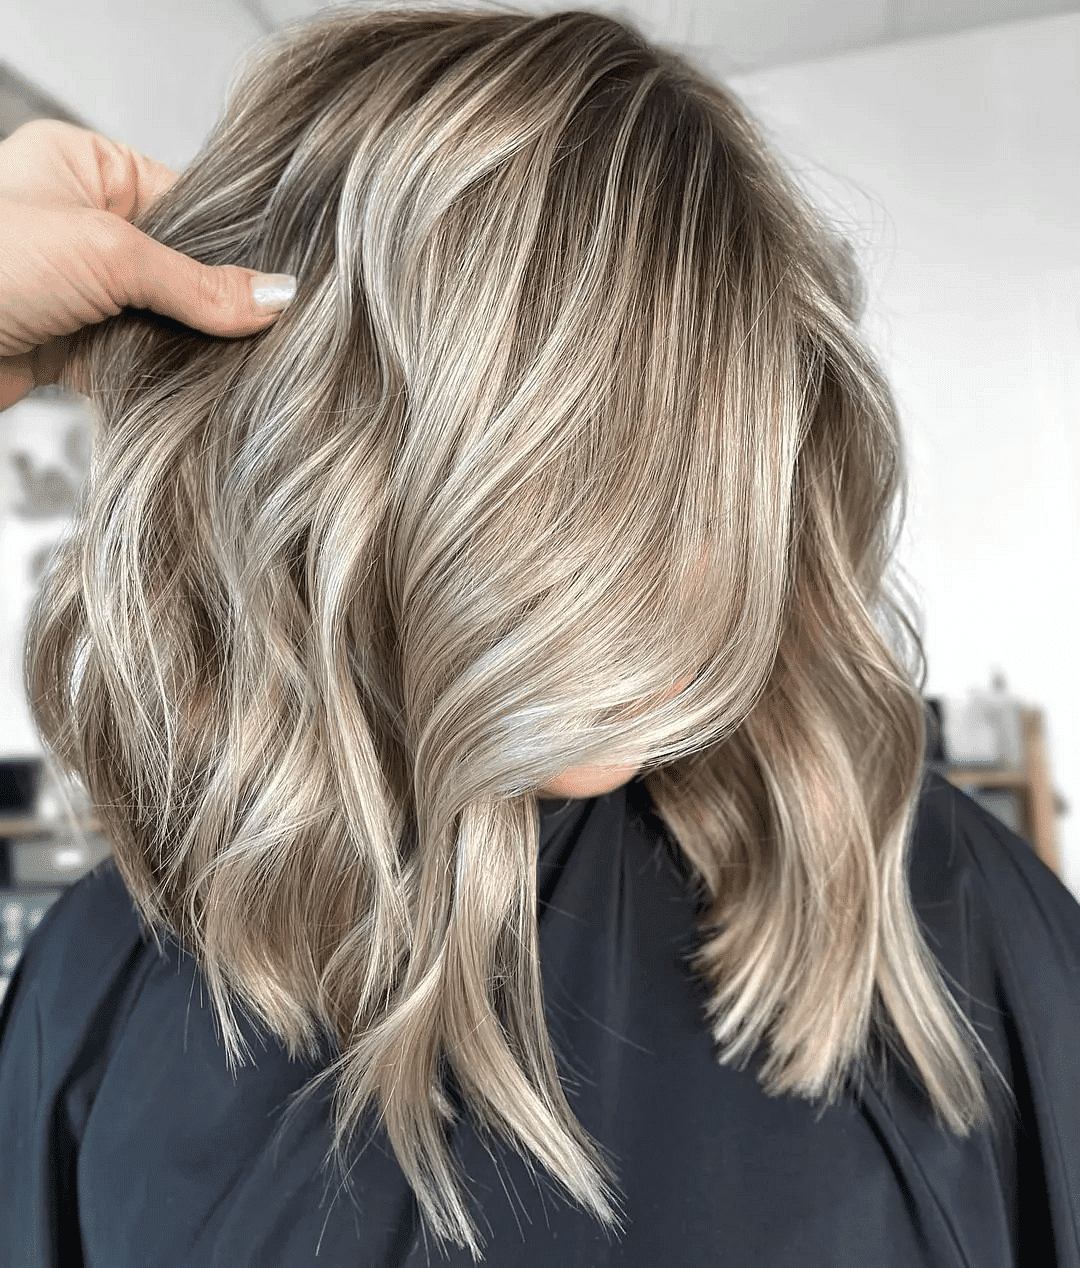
{"points": [[221, 299]]}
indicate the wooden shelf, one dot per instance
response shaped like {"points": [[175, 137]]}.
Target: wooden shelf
{"points": [[1040, 805], [32, 826]]}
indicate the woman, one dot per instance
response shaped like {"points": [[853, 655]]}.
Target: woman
{"points": [[476, 669]]}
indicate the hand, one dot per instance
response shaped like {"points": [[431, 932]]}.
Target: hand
{"points": [[69, 257]]}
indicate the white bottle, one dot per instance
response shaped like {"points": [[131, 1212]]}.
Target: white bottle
{"points": [[1005, 713], [971, 737], [986, 728]]}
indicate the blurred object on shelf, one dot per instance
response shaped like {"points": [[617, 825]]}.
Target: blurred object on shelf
{"points": [[985, 729], [20, 779], [54, 859], [993, 747], [59, 796], [29, 789]]}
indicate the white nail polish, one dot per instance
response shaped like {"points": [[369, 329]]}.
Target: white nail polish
{"points": [[273, 291]]}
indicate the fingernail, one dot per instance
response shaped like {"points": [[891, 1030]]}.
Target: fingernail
{"points": [[273, 291]]}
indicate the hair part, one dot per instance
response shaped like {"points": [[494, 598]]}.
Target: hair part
{"points": [[316, 637]]}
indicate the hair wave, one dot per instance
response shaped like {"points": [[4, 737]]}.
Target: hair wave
{"points": [[316, 636]]}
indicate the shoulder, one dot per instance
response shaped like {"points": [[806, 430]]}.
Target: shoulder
{"points": [[960, 850], [1006, 931], [91, 923], [86, 943]]}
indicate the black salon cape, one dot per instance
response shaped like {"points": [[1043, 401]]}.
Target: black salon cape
{"points": [[126, 1143]]}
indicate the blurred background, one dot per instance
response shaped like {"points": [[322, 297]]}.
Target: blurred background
{"points": [[942, 135]]}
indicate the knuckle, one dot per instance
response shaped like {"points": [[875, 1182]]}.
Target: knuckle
{"points": [[212, 289], [112, 250], [108, 238]]}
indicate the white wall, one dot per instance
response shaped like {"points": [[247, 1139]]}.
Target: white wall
{"points": [[955, 162]]}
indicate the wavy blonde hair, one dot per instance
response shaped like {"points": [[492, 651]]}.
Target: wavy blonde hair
{"points": [[572, 378]]}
